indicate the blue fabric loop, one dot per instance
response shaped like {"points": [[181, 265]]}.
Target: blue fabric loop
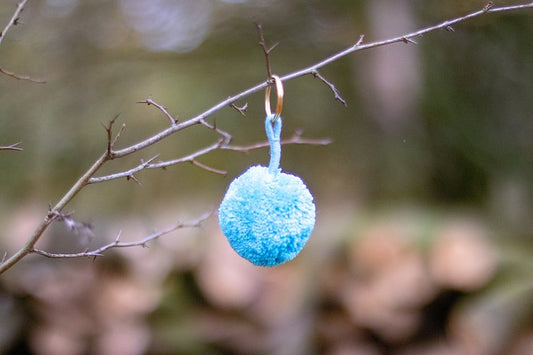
{"points": [[273, 131]]}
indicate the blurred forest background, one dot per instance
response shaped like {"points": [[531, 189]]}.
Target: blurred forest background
{"points": [[423, 240]]}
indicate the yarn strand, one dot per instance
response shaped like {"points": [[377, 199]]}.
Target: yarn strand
{"points": [[273, 131]]}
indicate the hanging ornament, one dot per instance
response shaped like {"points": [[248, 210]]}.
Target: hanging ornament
{"points": [[267, 215]]}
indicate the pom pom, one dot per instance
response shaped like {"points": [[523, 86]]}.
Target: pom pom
{"points": [[267, 217]]}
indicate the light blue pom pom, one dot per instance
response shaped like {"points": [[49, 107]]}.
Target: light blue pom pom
{"points": [[266, 215]]}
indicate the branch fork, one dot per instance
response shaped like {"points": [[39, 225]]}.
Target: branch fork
{"points": [[14, 146]]}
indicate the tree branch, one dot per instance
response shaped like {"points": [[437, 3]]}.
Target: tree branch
{"points": [[22, 77], [359, 46], [52, 215], [15, 146], [200, 119], [226, 137], [14, 19], [336, 93], [118, 244], [241, 109], [161, 108], [109, 133], [296, 138], [266, 50]]}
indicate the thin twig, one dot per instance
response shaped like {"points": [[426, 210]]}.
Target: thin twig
{"points": [[22, 77], [408, 40], [266, 50], [109, 133], [15, 146], [336, 92], [128, 174], [360, 40], [117, 136], [132, 177], [161, 108], [296, 138], [209, 168], [489, 5], [225, 135], [86, 177], [242, 109], [189, 158], [14, 19], [116, 243]]}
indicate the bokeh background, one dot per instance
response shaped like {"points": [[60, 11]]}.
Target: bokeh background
{"points": [[423, 241]]}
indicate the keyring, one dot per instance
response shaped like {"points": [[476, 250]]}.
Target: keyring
{"points": [[279, 103]]}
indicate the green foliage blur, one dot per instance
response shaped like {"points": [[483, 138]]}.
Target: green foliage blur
{"points": [[442, 127]]}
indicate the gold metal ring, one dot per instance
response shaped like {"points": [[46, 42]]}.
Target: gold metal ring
{"points": [[279, 103]]}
